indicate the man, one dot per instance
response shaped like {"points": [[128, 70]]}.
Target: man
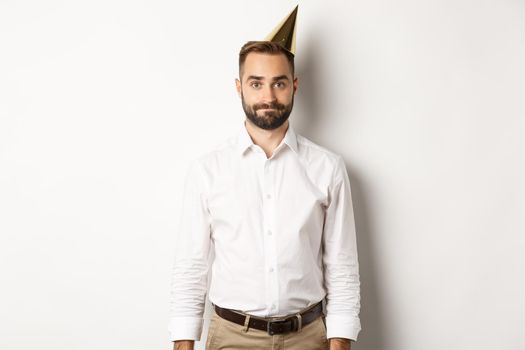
{"points": [[277, 209]]}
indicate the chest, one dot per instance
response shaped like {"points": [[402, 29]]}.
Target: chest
{"points": [[255, 190]]}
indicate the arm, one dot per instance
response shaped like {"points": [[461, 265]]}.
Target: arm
{"points": [[339, 344], [183, 345], [190, 269], [341, 268]]}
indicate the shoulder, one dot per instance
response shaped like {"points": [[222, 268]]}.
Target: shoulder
{"points": [[313, 153], [211, 159]]}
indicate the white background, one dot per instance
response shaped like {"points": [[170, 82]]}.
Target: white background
{"points": [[104, 103]]}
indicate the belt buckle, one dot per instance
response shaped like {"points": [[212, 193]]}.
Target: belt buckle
{"points": [[270, 323]]}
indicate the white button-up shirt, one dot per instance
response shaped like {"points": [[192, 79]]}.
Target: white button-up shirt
{"points": [[283, 233]]}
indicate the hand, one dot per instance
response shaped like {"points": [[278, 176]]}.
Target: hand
{"points": [[339, 344], [183, 345]]}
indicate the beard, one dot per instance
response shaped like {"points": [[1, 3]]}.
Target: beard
{"points": [[269, 120]]}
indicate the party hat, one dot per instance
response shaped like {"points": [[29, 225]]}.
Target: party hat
{"points": [[284, 33]]}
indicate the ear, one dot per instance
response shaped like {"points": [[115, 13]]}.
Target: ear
{"points": [[238, 86], [295, 85]]}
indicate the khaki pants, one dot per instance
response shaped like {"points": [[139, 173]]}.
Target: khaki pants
{"points": [[226, 335]]}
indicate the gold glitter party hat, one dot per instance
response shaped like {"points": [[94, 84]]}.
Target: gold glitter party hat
{"points": [[284, 33]]}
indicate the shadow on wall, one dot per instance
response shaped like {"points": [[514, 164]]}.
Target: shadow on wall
{"points": [[372, 321], [308, 71]]}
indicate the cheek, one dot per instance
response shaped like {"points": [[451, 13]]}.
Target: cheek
{"points": [[285, 96], [251, 98]]}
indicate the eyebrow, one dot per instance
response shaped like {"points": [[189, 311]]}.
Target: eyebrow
{"points": [[257, 77]]}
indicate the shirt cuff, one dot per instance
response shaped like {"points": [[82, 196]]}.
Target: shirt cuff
{"points": [[339, 326], [185, 328]]}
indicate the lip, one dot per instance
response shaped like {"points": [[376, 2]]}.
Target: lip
{"points": [[267, 109]]}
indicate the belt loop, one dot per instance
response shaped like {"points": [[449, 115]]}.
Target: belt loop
{"points": [[300, 319], [246, 323]]}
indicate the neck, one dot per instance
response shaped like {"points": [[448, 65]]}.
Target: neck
{"points": [[268, 140]]}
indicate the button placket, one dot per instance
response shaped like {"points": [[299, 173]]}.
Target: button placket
{"points": [[269, 209], [267, 229]]}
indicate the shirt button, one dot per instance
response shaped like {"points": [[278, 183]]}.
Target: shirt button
{"points": [[269, 233], [273, 306], [271, 269], [268, 196]]}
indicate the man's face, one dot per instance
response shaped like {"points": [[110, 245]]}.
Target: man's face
{"points": [[267, 89]]}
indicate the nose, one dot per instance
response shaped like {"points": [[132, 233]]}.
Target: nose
{"points": [[268, 95]]}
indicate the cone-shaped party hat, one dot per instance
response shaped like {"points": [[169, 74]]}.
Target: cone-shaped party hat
{"points": [[284, 33]]}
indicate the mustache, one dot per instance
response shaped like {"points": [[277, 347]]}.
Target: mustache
{"points": [[275, 105]]}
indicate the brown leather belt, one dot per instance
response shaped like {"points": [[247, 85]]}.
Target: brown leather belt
{"points": [[273, 325]]}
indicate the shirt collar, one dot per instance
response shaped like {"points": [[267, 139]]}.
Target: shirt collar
{"points": [[244, 140]]}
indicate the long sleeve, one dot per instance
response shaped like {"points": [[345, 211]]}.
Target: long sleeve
{"points": [[341, 268], [190, 268]]}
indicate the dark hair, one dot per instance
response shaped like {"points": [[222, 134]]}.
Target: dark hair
{"points": [[268, 47]]}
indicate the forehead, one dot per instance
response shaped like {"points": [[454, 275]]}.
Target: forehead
{"points": [[266, 65]]}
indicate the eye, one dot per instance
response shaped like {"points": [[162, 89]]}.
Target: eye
{"points": [[279, 84], [255, 85]]}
